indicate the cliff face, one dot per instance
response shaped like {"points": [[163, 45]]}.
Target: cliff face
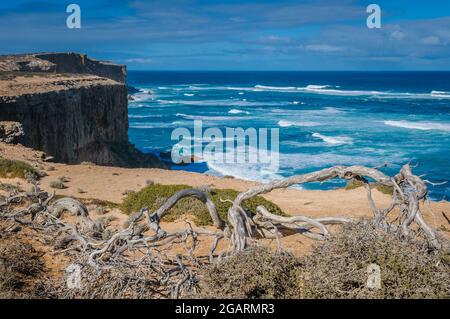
{"points": [[71, 117]]}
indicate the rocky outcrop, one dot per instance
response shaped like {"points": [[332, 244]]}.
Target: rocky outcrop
{"points": [[11, 132], [63, 63], [71, 117]]}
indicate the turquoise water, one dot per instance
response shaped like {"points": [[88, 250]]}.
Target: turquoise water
{"points": [[324, 118]]}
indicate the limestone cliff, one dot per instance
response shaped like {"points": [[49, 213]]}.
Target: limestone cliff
{"points": [[71, 117], [63, 63]]}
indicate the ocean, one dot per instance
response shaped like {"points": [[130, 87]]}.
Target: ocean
{"points": [[324, 119]]}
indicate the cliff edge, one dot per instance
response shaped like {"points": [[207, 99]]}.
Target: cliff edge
{"points": [[62, 63], [68, 113]]}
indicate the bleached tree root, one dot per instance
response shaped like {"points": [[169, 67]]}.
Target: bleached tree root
{"points": [[409, 189]]}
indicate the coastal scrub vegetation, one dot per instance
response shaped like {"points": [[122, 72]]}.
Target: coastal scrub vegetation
{"points": [[146, 259], [353, 184], [154, 195], [336, 268], [407, 266], [14, 168]]}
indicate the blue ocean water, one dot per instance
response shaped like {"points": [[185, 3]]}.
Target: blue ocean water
{"points": [[324, 118]]}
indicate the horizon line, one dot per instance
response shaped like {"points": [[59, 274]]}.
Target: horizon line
{"points": [[198, 70]]}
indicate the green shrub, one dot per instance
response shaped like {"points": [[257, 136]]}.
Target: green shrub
{"points": [[338, 267], [11, 169], [58, 184], [353, 184], [153, 196], [252, 274]]}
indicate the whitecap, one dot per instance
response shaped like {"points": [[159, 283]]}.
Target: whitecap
{"points": [[189, 94], [211, 118], [424, 126], [143, 95], [440, 94], [284, 123], [334, 140], [274, 88], [236, 111]]}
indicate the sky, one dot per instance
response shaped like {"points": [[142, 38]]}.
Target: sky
{"points": [[236, 35]]}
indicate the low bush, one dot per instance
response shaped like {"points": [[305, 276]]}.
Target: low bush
{"points": [[353, 184], [252, 274], [20, 268], [338, 267], [153, 196], [58, 184], [11, 169]]}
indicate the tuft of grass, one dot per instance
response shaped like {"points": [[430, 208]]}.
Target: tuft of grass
{"points": [[337, 268], [11, 169], [153, 196], [58, 184], [255, 273], [353, 184]]}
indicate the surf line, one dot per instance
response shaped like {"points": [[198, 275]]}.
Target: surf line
{"points": [[237, 149]]}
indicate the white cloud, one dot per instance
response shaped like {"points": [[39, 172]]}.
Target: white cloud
{"points": [[397, 35], [323, 48], [140, 60], [432, 40]]}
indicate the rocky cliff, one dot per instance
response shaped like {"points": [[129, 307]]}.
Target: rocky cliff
{"points": [[63, 63], [71, 117]]}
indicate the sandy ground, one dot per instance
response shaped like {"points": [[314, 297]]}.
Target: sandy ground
{"points": [[111, 183]]}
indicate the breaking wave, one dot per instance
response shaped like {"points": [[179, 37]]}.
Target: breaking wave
{"points": [[334, 140], [424, 126]]}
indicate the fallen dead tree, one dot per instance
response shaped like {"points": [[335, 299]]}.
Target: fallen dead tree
{"points": [[408, 191], [140, 256]]}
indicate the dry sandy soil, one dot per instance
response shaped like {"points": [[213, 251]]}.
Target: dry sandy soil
{"points": [[111, 183], [13, 85]]}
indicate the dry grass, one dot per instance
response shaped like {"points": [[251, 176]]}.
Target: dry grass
{"points": [[338, 268], [21, 270], [353, 184], [154, 195], [254, 273], [11, 169]]}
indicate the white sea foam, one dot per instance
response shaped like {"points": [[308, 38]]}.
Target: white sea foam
{"points": [[334, 140], [134, 116], [262, 172], [284, 123], [136, 106], [143, 95], [236, 111], [440, 94], [424, 126], [150, 125], [231, 102], [189, 94], [274, 88], [212, 118], [326, 90], [317, 87]]}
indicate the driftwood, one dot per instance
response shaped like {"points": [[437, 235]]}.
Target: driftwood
{"points": [[145, 246], [408, 191]]}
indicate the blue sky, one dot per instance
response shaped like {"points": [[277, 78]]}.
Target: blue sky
{"points": [[237, 35]]}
